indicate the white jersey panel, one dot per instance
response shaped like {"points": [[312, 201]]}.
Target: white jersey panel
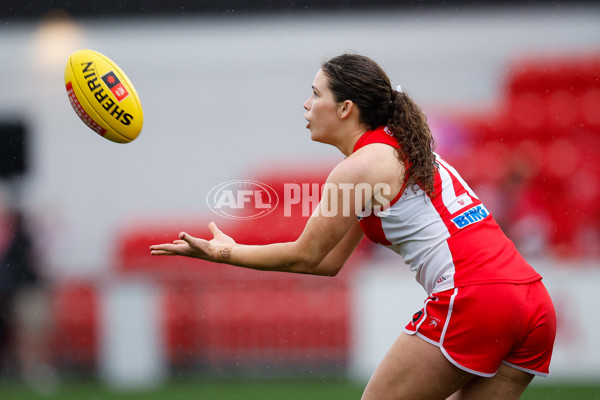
{"points": [[450, 168], [419, 235]]}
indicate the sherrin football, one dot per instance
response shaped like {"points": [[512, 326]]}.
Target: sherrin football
{"points": [[103, 97]]}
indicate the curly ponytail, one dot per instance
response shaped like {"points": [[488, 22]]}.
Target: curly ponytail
{"points": [[409, 125], [361, 80]]}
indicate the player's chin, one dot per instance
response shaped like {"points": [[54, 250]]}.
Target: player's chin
{"points": [[315, 137]]}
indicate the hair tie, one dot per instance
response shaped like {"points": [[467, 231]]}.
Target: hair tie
{"points": [[399, 89]]}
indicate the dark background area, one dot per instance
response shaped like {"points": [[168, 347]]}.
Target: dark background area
{"points": [[18, 9], [13, 144]]}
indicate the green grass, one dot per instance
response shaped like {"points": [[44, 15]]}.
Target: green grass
{"points": [[196, 389], [563, 392], [284, 389]]}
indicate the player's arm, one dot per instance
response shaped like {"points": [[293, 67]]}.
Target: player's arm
{"points": [[335, 260], [328, 239]]}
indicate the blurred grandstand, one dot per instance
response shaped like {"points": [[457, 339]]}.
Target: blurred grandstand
{"points": [[532, 157]]}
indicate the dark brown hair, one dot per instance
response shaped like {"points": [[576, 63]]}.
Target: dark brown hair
{"points": [[361, 80]]}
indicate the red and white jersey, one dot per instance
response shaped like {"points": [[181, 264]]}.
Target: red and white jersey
{"points": [[449, 239]]}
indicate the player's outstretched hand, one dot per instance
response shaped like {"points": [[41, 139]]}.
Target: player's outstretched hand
{"points": [[190, 246]]}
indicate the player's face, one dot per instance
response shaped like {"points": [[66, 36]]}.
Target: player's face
{"points": [[321, 110]]}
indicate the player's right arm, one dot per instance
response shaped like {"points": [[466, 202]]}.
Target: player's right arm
{"points": [[328, 239], [325, 244], [329, 266], [335, 260]]}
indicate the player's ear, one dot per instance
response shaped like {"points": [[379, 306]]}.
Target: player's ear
{"points": [[345, 108]]}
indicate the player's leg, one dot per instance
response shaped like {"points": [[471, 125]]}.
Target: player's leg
{"points": [[508, 384], [415, 369]]}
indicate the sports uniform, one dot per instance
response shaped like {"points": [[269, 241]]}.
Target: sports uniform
{"points": [[486, 304]]}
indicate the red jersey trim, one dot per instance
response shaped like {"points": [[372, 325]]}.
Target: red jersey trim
{"points": [[381, 134], [371, 224]]}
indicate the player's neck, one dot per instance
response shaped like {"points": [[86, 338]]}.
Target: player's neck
{"points": [[349, 139]]}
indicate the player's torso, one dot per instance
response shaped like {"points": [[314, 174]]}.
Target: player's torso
{"points": [[449, 239]]}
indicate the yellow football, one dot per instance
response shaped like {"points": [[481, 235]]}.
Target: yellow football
{"points": [[103, 97]]}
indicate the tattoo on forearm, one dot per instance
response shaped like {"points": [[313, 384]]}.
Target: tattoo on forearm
{"points": [[225, 253]]}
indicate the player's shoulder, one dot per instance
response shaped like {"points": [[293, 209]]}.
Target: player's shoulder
{"points": [[369, 164]]}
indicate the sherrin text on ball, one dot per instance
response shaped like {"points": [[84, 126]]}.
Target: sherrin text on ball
{"points": [[103, 96]]}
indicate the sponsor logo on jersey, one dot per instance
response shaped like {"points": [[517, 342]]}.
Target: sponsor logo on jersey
{"points": [[471, 216]]}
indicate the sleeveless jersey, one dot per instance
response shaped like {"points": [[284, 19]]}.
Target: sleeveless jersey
{"points": [[449, 238]]}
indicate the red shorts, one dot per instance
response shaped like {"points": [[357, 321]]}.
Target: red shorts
{"points": [[479, 327]]}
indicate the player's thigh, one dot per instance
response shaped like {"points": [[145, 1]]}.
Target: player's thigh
{"points": [[508, 384], [414, 369]]}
